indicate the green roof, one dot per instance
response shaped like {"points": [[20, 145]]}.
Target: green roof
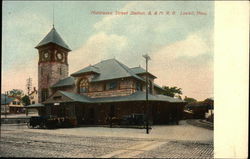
{"points": [[76, 97], [140, 70], [53, 37], [109, 69], [105, 70], [69, 81], [87, 70], [137, 96]]}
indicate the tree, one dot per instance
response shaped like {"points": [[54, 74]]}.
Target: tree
{"points": [[26, 100], [16, 93], [179, 97], [189, 100], [172, 91]]}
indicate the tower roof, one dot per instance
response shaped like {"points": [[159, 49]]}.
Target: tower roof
{"points": [[53, 37]]}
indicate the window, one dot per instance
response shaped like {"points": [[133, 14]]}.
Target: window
{"points": [[111, 85], [14, 102], [45, 94], [60, 70], [33, 102], [83, 86], [18, 103], [138, 86]]}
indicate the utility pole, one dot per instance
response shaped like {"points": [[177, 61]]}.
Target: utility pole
{"points": [[147, 114], [29, 85]]}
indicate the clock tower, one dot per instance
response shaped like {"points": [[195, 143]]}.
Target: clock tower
{"points": [[52, 64]]}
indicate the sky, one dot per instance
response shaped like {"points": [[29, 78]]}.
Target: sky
{"points": [[180, 45]]}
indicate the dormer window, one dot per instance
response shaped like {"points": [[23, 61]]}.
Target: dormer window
{"points": [[83, 86]]}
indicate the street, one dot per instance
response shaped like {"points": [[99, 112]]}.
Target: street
{"points": [[172, 141]]}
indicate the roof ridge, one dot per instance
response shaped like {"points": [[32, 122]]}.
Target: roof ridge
{"points": [[94, 66], [132, 73], [107, 60], [122, 65]]}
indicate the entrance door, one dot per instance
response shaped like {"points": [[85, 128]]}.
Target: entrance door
{"points": [[90, 116]]}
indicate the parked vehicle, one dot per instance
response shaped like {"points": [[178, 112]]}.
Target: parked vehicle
{"points": [[50, 122], [134, 119]]}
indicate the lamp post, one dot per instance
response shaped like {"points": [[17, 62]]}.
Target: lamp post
{"points": [[147, 124]]}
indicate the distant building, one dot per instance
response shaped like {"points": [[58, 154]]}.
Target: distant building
{"points": [[33, 96], [11, 105], [97, 92], [202, 109]]}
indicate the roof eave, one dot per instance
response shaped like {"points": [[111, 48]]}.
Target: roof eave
{"points": [[80, 74], [41, 45], [69, 85]]}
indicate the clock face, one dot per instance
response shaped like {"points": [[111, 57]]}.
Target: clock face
{"points": [[59, 56], [46, 55]]}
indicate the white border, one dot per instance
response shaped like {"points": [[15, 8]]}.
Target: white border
{"points": [[231, 83]]}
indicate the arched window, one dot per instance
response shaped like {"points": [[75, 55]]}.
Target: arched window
{"points": [[83, 86]]}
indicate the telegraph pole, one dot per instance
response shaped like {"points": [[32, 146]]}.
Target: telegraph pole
{"points": [[147, 122], [29, 85]]}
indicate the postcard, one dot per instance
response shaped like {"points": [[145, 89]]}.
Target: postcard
{"points": [[122, 79]]}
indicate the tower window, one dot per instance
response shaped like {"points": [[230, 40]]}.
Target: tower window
{"points": [[41, 71], [83, 86], [45, 94], [60, 70]]}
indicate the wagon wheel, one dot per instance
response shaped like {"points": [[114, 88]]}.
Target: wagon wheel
{"points": [[29, 126]]}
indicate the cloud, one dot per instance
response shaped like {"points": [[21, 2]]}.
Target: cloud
{"points": [[108, 22], [21, 33], [187, 64], [98, 47], [192, 46]]}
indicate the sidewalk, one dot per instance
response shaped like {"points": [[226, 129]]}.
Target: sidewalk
{"points": [[183, 131], [18, 115]]}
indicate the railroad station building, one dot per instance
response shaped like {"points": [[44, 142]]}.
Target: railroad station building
{"points": [[99, 91]]}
